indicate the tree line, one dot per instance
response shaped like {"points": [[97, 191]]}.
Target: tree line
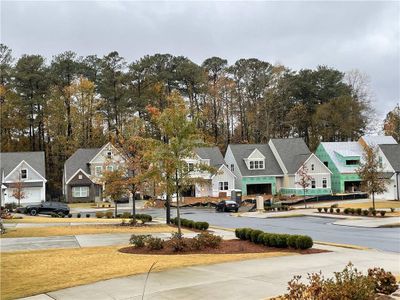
{"points": [[75, 102]]}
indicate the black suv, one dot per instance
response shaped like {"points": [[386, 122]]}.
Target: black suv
{"points": [[47, 208], [227, 205]]}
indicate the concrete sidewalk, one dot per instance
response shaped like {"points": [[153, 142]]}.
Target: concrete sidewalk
{"points": [[250, 279], [84, 240]]}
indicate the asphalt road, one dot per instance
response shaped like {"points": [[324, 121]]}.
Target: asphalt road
{"points": [[320, 229]]}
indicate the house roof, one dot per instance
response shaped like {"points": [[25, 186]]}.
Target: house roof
{"points": [[352, 148], [10, 160], [374, 140], [211, 153], [392, 153], [241, 151], [80, 160], [293, 152]]}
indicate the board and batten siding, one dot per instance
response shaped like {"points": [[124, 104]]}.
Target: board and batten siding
{"points": [[230, 159], [224, 175]]}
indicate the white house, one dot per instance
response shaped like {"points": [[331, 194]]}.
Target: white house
{"points": [[219, 184], [24, 169], [389, 156]]}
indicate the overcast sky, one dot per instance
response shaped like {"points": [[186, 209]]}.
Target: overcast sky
{"points": [[343, 35]]}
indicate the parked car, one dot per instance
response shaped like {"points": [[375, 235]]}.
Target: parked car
{"points": [[47, 208], [227, 205]]}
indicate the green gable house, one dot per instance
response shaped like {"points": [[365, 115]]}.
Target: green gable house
{"points": [[268, 169], [343, 159]]}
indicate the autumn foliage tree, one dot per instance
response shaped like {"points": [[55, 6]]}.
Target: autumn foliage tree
{"points": [[18, 191], [115, 184]]}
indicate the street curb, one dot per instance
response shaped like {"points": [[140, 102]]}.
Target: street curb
{"points": [[347, 246]]}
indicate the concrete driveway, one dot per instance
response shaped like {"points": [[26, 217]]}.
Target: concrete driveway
{"points": [[250, 279]]}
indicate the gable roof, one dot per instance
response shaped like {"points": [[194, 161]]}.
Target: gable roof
{"points": [[241, 151], [211, 153], [353, 148], [10, 160], [374, 140], [392, 153], [79, 160], [292, 151]]}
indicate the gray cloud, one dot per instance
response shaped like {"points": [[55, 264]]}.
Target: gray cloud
{"points": [[344, 35]]}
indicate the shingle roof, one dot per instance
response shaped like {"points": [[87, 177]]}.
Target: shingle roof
{"points": [[374, 140], [241, 151], [343, 147], [293, 152], [392, 153], [9, 160], [79, 160], [211, 153]]}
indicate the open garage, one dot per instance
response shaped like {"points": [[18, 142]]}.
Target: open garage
{"points": [[259, 189]]}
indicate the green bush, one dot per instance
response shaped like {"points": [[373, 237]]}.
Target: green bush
{"points": [[238, 232], [331, 210], [319, 209], [87, 215], [374, 212], [304, 242], [273, 240], [202, 225], [266, 239], [126, 215], [78, 215], [338, 210], [282, 240], [61, 215], [392, 209], [154, 243], [352, 211], [254, 235], [335, 205], [382, 213], [359, 211], [260, 238], [99, 214], [144, 218], [248, 232], [292, 241], [346, 211], [54, 215], [365, 212], [138, 241], [109, 214], [69, 215], [325, 209]]}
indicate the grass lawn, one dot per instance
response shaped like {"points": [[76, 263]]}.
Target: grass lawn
{"points": [[30, 219], [366, 205], [88, 229], [35, 272]]}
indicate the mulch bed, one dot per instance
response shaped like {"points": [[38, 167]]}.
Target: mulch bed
{"points": [[226, 247]]}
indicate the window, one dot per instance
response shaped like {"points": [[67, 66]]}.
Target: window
{"points": [[326, 163], [352, 162], [190, 167], [232, 167], [109, 154], [223, 185], [80, 191], [312, 167], [24, 174], [80, 176], [324, 183], [256, 164], [313, 183], [98, 170], [110, 168], [380, 161]]}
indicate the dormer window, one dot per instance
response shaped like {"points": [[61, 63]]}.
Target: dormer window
{"points": [[24, 174], [256, 164]]}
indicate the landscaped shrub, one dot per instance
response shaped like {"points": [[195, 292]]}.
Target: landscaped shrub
{"points": [[266, 239], [202, 225], [292, 241], [54, 215], [69, 215], [144, 218], [304, 242], [366, 212], [126, 215], [248, 233], [78, 215], [338, 210], [281, 240], [254, 235], [154, 243], [238, 232], [382, 213], [325, 209], [273, 240], [352, 211], [99, 214], [374, 212], [61, 215], [260, 239], [138, 241], [319, 209], [109, 214], [334, 205], [385, 282], [359, 211], [346, 211], [206, 240], [177, 242], [392, 209], [331, 210], [87, 215]]}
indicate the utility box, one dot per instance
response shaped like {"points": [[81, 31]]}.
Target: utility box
{"points": [[260, 203], [236, 195]]}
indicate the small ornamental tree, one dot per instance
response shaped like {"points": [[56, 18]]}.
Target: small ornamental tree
{"points": [[115, 184], [18, 191], [371, 174], [304, 181]]}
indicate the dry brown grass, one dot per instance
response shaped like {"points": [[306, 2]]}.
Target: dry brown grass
{"points": [[88, 229], [34, 272], [368, 204], [30, 219]]}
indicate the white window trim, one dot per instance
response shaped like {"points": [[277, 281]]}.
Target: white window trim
{"points": [[96, 170], [254, 162], [80, 191]]}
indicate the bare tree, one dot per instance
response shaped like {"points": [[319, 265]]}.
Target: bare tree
{"points": [[18, 191], [304, 181]]}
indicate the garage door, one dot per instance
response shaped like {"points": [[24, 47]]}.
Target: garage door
{"points": [[259, 189], [32, 195]]}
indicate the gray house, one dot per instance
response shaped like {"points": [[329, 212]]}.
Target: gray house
{"points": [[26, 170], [82, 174]]}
